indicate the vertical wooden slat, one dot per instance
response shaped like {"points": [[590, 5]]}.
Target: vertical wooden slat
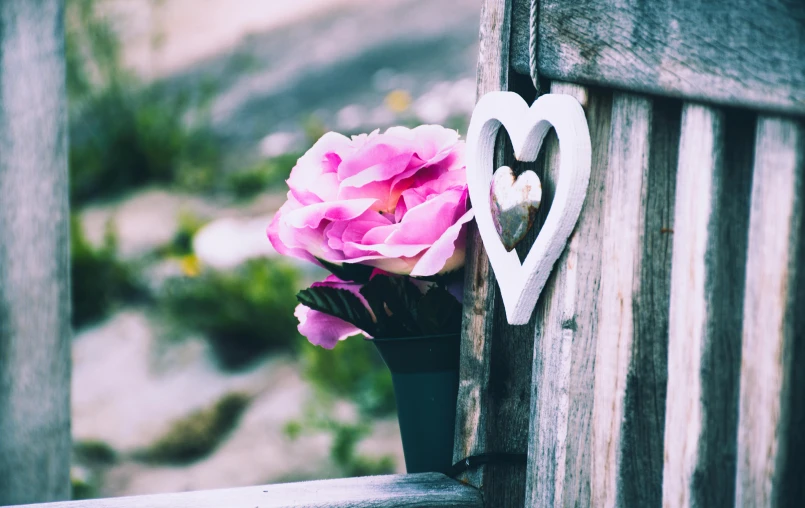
{"points": [[771, 467], [706, 303], [559, 446], [492, 409], [631, 354], [479, 289], [34, 269]]}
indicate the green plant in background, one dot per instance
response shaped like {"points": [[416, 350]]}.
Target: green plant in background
{"points": [[127, 137], [343, 450], [82, 488], [244, 312], [124, 134], [199, 434], [353, 370], [99, 279], [263, 175], [182, 242], [92, 50], [94, 453]]}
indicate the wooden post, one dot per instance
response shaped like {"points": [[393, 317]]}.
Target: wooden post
{"points": [[492, 415], [34, 255]]}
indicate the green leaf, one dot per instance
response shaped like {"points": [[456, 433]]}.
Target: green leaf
{"points": [[400, 297], [439, 312], [445, 278], [339, 303], [349, 272]]}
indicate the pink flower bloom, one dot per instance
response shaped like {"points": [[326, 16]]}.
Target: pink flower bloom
{"points": [[323, 329], [396, 201]]}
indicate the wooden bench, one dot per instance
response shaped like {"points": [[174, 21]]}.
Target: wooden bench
{"points": [[663, 364]]}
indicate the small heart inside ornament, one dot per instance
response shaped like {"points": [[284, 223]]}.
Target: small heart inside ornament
{"points": [[515, 201]]}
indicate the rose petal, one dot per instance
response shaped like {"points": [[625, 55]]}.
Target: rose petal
{"points": [[311, 216], [322, 329], [443, 250]]}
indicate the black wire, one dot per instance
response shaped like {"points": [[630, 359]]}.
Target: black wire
{"points": [[475, 461]]}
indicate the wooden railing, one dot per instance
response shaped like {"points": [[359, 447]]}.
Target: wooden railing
{"points": [[412, 491]]}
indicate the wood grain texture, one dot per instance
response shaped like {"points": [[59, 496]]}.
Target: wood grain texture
{"points": [[559, 445], [749, 53], [472, 426], [415, 490], [771, 448], [712, 211], [630, 369], [35, 441], [495, 373]]}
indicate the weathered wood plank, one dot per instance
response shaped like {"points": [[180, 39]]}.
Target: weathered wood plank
{"points": [[425, 490], [628, 171], [749, 53], [712, 212], [492, 412], [559, 447], [771, 449], [472, 427], [35, 441], [631, 348]]}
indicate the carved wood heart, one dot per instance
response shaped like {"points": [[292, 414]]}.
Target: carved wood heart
{"points": [[521, 283], [515, 202]]}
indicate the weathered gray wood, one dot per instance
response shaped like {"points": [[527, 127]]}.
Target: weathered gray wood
{"points": [[34, 268], [712, 212], [771, 448], [560, 445], [472, 427], [425, 490], [748, 53], [631, 349], [492, 412]]}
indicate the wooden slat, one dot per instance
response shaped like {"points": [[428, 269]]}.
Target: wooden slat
{"points": [[425, 490], [492, 411], [749, 53], [712, 211], [472, 427], [771, 467], [35, 438], [560, 448], [631, 349]]}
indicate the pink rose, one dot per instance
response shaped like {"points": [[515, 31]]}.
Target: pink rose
{"points": [[396, 201], [323, 329]]}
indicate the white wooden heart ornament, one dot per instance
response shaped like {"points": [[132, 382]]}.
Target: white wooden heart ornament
{"points": [[521, 284]]}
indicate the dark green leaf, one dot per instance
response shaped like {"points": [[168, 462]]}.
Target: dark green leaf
{"points": [[349, 272], [395, 295], [443, 279], [439, 312], [339, 303]]}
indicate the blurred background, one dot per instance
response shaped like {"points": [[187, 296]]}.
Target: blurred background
{"points": [[186, 117]]}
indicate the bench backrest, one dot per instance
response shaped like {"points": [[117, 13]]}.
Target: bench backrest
{"points": [[663, 364]]}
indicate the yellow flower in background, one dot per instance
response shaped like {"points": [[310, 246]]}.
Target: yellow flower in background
{"points": [[190, 265], [398, 101]]}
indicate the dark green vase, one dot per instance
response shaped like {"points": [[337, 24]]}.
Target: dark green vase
{"points": [[424, 371]]}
